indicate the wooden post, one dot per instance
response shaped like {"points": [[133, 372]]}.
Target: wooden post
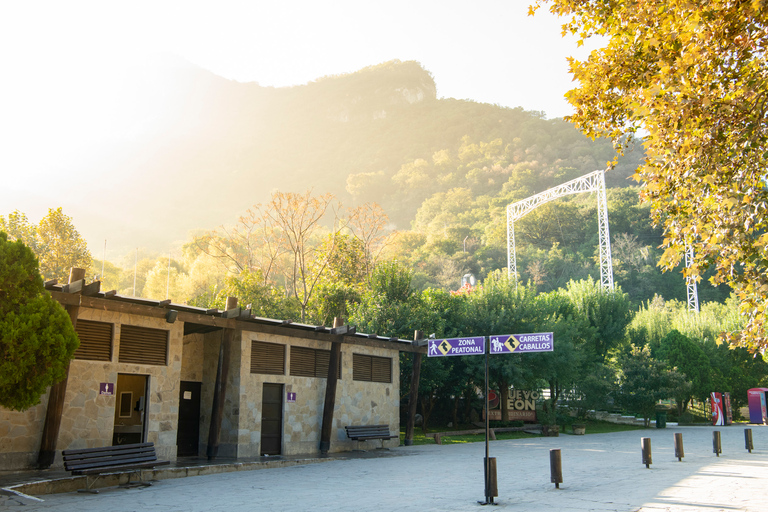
{"points": [[330, 392], [492, 487], [679, 451], [555, 467], [57, 395], [220, 387], [748, 440], [414, 396], [717, 447], [645, 446]]}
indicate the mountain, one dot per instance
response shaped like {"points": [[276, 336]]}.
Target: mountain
{"points": [[181, 149]]}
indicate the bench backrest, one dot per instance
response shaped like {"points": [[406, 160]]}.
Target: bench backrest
{"points": [[367, 430], [121, 455]]}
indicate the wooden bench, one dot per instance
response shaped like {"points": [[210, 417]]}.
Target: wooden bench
{"points": [[129, 458], [370, 432], [530, 429]]}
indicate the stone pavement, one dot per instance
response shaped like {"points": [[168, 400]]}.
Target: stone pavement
{"points": [[602, 472]]}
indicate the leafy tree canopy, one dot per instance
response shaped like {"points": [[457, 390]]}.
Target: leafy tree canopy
{"points": [[55, 241], [36, 336], [691, 78]]}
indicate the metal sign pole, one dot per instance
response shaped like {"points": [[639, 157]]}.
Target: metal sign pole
{"points": [[488, 497]]}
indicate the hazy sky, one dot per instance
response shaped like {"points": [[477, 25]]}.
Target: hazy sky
{"points": [[53, 55], [486, 50]]}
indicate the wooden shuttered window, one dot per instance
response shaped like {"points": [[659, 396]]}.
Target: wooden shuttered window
{"points": [[371, 368], [267, 358], [95, 340], [310, 362], [142, 345]]}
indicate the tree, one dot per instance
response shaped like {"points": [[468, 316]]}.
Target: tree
{"points": [[644, 381], [341, 284], [298, 217], [254, 243], [368, 224], [562, 368], [607, 312], [55, 241], [60, 246], [690, 77], [36, 336], [688, 358], [18, 227]]}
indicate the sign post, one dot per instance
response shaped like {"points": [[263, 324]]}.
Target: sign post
{"points": [[497, 344]]}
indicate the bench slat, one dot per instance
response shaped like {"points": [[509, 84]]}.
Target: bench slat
{"points": [[107, 455], [116, 461], [119, 447], [366, 432], [121, 468]]}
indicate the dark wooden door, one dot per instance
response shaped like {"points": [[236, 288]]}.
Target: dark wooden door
{"points": [[188, 434], [272, 419]]}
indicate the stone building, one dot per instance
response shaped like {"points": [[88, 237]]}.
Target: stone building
{"points": [[149, 371]]}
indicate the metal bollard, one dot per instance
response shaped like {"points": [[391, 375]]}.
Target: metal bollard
{"points": [[748, 440], [679, 451], [645, 446], [555, 467], [717, 447]]}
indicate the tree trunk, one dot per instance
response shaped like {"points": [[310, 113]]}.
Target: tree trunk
{"points": [[504, 397], [427, 404], [455, 412]]}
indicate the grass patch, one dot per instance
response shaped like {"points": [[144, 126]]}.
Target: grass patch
{"points": [[593, 427], [605, 427]]}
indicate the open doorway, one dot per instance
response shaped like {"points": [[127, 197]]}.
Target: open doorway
{"points": [[130, 406]]}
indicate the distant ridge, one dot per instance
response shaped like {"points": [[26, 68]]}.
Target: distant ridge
{"points": [[192, 150]]}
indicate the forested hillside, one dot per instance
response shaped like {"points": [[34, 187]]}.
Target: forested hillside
{"points": [[440, 172], [196, 150]]}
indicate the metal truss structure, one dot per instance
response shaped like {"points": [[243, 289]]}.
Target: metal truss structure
{"points": [[690, 282], [593, 182]]}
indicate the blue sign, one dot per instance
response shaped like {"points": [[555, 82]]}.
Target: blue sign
{"points": [[519, 343], [457, 347]]}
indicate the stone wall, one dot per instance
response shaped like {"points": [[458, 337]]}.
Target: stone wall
{"points": [[88, 417], [356, 402], [20, 435]]}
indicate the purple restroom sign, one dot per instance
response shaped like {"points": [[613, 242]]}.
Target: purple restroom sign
{"points": [[521, 343]]}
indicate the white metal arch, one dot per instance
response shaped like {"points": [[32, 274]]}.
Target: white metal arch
{"points": [[592, 182], [690, 282]]}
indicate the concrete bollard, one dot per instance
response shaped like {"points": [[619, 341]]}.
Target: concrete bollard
{"points": [[645, 446], [679, 451], [555, 467], [748, 440], [717, 447]]}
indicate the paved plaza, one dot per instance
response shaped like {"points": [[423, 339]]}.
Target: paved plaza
{"points": [[601, 472]]}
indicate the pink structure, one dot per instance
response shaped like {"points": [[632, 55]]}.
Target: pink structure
{"points": [[758, 413]]}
